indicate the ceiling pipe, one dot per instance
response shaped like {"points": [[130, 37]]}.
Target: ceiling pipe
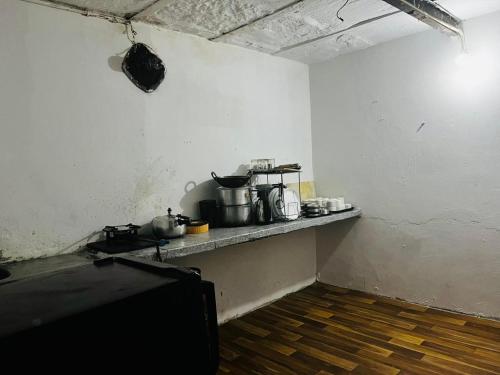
{"points": [[431, 13], [321, 37]]}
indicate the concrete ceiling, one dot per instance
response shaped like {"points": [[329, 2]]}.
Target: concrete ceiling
{"points": [[304, 30]]}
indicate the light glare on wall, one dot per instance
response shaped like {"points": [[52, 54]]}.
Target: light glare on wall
{"points": [[472, 71], [463, 59]]}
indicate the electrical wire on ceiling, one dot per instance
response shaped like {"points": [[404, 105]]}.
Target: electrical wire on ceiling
{"points": [[338, 11], [84, 12], [132, 34]]}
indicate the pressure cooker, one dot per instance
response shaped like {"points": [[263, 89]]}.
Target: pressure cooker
{"points": [[170, 226]]}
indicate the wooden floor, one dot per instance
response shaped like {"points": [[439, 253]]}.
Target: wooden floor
{"points": [[325, 330]]}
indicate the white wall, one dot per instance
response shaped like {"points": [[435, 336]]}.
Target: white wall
{"points": [[431, 198], [250, 275], [81, 147]]}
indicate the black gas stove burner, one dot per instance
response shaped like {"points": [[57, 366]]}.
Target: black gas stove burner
{"points": [[125, 238], [120, 232]]}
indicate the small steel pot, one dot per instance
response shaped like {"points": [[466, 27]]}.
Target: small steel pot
{"points": [[234, 196], [236, 216]]}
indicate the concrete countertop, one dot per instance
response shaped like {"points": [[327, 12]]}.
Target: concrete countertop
{"points": [[35, 267], [221, 237], [190, 244]]}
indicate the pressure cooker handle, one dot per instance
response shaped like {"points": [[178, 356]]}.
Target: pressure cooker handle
{"points": [[183, 219]]}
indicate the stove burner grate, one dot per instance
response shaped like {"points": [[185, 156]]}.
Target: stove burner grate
{"points": [[124, 238], [118, 231]]}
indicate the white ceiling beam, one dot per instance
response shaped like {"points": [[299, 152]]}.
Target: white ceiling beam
{"points": [[341, 31], [160, 4], [149, 10], [281, 9], [309, 22]]}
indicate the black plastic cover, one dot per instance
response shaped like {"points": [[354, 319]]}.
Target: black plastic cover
{"points": [[46, 298], [145, 69], [121, 314]]}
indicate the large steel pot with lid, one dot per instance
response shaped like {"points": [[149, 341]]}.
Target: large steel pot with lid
{"points": [[234, 196]]}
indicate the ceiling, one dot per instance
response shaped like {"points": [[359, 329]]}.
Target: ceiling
{"points": [[303, 30]]}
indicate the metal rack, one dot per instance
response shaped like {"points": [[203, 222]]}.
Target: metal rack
{"points": [[281, 172]]}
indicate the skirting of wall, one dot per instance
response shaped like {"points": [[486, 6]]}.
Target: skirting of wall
{"points": [[461, 312], [254, 305]]}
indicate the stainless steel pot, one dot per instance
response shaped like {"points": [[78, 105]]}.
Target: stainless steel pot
{"points": [[170, 226], [236, 216], [234, 196]]}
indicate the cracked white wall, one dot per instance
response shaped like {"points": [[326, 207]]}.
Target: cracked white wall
{"points": [[414, 139], [82, 147]]}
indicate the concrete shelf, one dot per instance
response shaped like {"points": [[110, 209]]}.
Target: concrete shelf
{"points": [[221, 237]]}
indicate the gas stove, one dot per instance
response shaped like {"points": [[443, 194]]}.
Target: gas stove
{"points": [[124, 238]]}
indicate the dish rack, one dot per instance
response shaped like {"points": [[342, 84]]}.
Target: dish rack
{"points": [[287, 216]]}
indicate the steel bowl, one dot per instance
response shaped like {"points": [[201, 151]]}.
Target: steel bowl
{"points": [[235, 216]]}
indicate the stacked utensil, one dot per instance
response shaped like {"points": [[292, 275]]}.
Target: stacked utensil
{"points": [[325, 206], [235, 206]]}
